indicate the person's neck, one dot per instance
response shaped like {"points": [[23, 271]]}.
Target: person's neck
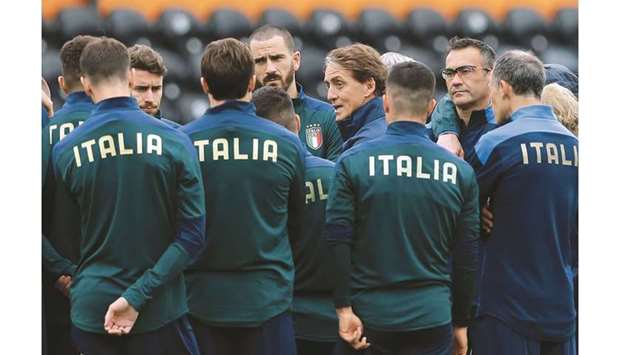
{"points": [[73, 90], [292, 90], [104, 92], [518, 102], [465, 113], [213, 102], [407, 118]]}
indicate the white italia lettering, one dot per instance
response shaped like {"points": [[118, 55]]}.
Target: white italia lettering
{"points": [[88, 145], [153, 144], [255, 149], [52, 128], [200, 145], [65, 129], [418, 170], [524, 153], [106, 146], [220, 149], [538, 146], [110, 146], [403, 166], [576, 156], [565, 161], [552, 154], [236, 154], [449, 172], [270, 150], [310, 196], [76, 154], [371, 166], [385, 159], [436, 169], [322, 194], [121, 146], [139, 143]]}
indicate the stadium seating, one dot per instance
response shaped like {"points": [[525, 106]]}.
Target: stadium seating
{"points": [[180, 30]]}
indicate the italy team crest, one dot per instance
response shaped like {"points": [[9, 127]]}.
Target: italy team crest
{"points": [[314, 136]]}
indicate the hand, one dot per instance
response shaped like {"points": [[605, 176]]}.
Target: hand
{"points": [[120, 317], [63, 284], [460, 341], [350, 328], [450, 141], [487, 219]]}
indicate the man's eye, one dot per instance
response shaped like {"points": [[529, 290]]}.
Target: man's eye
{"points": [[259, 60], [466, 70]]}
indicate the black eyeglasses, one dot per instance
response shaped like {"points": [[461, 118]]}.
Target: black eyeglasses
{"points": [[465, 71]]}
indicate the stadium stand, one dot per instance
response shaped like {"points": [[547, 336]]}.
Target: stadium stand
{"points": [[180, 29]]}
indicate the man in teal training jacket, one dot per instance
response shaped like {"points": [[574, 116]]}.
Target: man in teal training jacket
{"points": [[137, 184], [400, 209]]}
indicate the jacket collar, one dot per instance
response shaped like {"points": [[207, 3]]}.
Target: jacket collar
{"points": [[78, 97], [533, 111], [116, 103], [402, 128], [370, 111], [234, 105]]}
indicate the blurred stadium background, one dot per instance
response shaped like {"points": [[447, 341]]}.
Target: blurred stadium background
{"points": [[180, 29]]}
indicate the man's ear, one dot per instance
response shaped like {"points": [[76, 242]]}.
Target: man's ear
{"points": [[431, 106], [296, 60], [386, 105], [132, 73], [86, 84], [204, 85], [505, 89], [370, 85], [62, 84], [252, 84]]}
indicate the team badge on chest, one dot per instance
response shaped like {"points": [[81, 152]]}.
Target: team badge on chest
{"points": [[314, 136]]}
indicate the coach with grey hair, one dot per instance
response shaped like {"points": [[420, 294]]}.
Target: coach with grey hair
{"points": [[528, 168]]}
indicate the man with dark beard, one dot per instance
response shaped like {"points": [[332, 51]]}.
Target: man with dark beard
{"points": [[275, 62]]}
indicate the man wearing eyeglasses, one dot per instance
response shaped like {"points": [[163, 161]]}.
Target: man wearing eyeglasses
{"points": [[465, 112]]}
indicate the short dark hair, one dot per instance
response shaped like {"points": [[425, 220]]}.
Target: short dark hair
{"points": [[275, 105], [363, 61], [266, 32], [103, 59], [411, 87], [522, 70], [227, 66], [70, 59], [146, 58], [487, 52]]}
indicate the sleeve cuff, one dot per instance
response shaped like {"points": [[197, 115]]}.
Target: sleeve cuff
{"points": [[134, 298]]}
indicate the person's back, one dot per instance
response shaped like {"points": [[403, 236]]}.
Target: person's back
{"points": [[405, 206], [136, 182], [252, 170], [62, 237], [528, 168], [316, 326]]}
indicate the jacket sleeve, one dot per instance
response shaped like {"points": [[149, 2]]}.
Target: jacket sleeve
{"points": [[296, 197], [190, 240], [466, 254], [339, 224]]}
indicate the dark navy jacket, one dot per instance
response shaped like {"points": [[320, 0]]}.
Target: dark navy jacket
{"points": [[445, 119], [365, 123], [528, 168]]}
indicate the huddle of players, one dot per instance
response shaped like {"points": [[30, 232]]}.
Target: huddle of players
{"points": [[232, 234]]}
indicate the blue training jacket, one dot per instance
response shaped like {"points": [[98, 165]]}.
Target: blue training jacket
{"points": [[528, 168], [365, 123]]}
